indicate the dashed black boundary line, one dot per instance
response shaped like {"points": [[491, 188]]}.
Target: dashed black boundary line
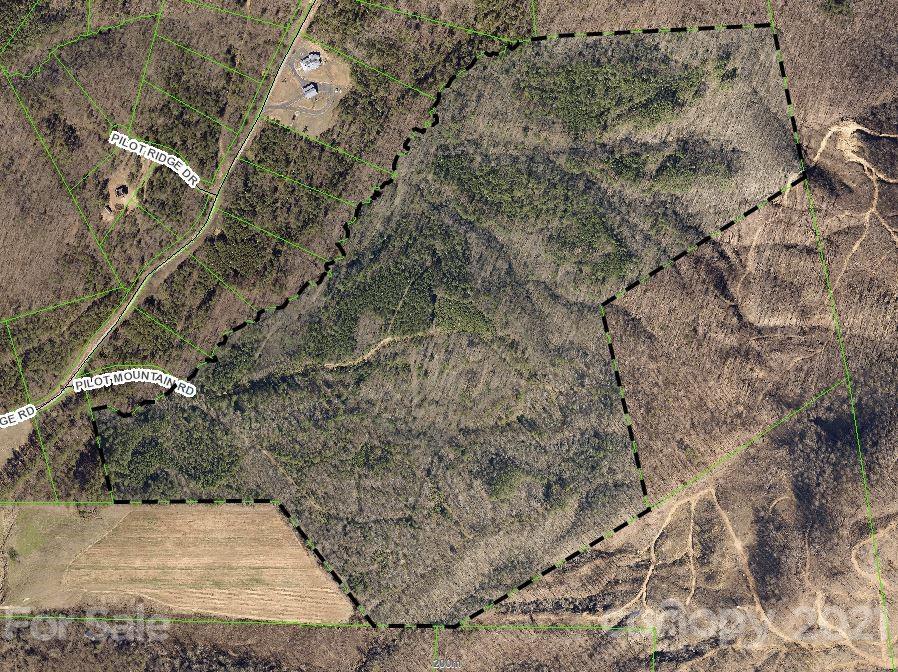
{"points": [[615, 368], [628, 421], [644, 31], [558, 565], [260, 314], [790, 107], [313, 548], [615, 365], [712, 236], [292, 520], [709, 237], [322, 277]]}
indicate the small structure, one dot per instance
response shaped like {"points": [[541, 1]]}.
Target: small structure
{"points": [[310, 90], [312, 61], [107, 210], [121, 190]]}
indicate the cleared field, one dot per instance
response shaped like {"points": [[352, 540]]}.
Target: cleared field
{"points": [[287, 103], [235, 561], [12, 438], [242, 562]]}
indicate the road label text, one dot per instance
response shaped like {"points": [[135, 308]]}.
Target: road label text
{"points": [[102, 380], [157, 155], [17, 416]]}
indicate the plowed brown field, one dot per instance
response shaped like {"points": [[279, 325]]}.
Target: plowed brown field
{"points": [[231, 560]]}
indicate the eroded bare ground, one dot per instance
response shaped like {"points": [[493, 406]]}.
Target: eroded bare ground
{"points": [[856, 196], [725, 343], [770, 564], [766, 561]]}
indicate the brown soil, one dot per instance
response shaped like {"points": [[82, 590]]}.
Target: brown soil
{"points": [[287, 104], [229, 561], [12, 438]]}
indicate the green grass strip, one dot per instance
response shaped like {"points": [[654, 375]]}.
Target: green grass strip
{"points": [[218, 8], [320, 192], [652, 662], [146, 65], [252, 103], [339, 151], [89, 9], [272, 234], [362, 63], [437, 22], [93, 103], [171, 331], [37, 426], [852, 403], [205, 57], [22, 23], [216, 276], [124, 211], [726, 457], [533, 17], [65, 183], [61, 304], [208, 117]]}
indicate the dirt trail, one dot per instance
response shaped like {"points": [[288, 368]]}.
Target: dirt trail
{"points": [[848, 145], [63, 387]]}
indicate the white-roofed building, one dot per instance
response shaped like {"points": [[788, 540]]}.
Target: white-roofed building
{"points": [[312, 61]]}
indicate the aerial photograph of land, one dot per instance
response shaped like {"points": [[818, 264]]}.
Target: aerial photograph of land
{"points": [[486, 335]]}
